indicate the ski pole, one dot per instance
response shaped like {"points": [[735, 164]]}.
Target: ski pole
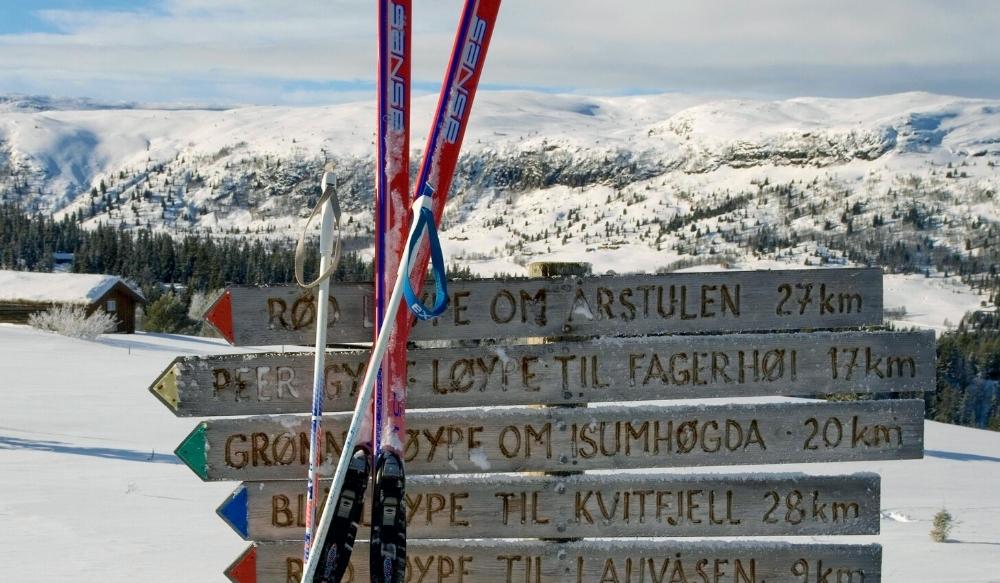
{"points": [[329, 208], [423, 219]]}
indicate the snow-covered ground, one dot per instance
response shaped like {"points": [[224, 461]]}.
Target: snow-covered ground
{"points": [[937, 303], [86, 464], [86, 468], [542, 176]]}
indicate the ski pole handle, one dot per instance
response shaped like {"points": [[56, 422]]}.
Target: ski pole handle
{"points": [[329, 206], [423, 220]]}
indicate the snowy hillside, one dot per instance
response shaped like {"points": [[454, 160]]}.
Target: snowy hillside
{"points": [[645, 180], [85, 467]]}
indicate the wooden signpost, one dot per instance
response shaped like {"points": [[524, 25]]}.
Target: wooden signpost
{"points": [[499, 492], [592, 505], [616, 369], [519, 440], [673, 303], [632, 561]]}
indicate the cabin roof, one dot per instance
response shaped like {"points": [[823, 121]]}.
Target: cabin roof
{"points": [[58, 288]]}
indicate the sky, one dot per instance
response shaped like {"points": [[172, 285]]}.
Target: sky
{"points": [[310, 52]]}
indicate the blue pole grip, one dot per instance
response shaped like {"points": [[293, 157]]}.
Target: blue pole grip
{"points": [[425, 221]]}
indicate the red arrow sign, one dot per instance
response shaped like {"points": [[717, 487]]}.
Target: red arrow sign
{"points": [[220, 315], [244, 568]]}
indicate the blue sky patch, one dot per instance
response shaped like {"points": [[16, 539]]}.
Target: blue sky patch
{"points": [[23, 16]]}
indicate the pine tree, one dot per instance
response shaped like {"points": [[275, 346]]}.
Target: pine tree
{"points": [[168, 314], [994, 422]]}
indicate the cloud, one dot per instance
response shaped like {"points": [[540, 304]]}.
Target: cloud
{"points": [[254, 50]]}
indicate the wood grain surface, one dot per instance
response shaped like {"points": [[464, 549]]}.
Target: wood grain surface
{"points": [[616, 369], [592, 506], [607, 437], [632, 305], [637, 561]]}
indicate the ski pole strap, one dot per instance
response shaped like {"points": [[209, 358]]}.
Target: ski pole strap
{"points": [[329, 195], [424, 221]]}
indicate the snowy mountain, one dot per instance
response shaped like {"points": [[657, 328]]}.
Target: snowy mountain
{"points": [[629, 182]]}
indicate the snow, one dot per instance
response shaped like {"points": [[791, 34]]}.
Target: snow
{"points": [[601, 177], [478, 457], [86, 463], [85, 468], [59, 288], [696, 143], [937, 303]]}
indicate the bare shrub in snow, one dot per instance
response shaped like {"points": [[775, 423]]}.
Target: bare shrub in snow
{"points": [[943, 523], [74, 322], [894, 313]]}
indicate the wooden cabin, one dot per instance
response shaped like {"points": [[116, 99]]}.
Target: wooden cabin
{"points": [[23, 293]]}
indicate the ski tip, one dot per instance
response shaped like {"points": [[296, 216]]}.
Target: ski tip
{"points": [[191, 451], [244, 568], [220, 316], [164, 388], [234, 511]]}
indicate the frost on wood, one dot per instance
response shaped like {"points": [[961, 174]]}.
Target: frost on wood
{"points": [[74, 322]]}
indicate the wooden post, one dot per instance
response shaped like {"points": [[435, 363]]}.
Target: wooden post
{"points": [[558, 269]]}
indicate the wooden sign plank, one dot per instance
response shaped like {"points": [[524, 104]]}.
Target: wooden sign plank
{"points": [[573, 439], [619, 369], [634, 561], [612, 305], [590, 506]]}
